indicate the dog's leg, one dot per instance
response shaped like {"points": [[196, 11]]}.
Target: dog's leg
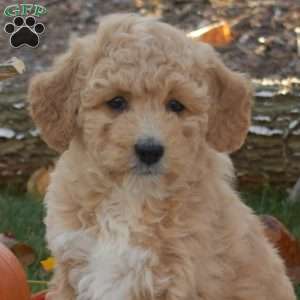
{"points": [[71, 249], [260, 272], [179, 283], [60, 288], [69, 245]]}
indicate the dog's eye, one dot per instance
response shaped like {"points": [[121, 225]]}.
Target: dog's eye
{"points": [[118, 104], [175, 106]]}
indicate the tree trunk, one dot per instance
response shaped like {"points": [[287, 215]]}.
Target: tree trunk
{"points": [[271, 153]]}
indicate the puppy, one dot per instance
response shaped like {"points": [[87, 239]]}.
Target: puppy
{"points": [[141, 204]]}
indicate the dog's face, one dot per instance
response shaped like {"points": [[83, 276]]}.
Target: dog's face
{"points": [[142, 99], [143, 116]]}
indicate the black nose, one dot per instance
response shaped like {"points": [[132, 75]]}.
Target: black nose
{"points": [[149, 151]]}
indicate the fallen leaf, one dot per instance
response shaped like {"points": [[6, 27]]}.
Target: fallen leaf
{"points": [[39, 181], [24, 253], [287, 245], [218, 34], [48, 264]]}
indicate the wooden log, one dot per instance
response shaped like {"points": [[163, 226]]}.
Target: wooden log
{"points": [[271, 153], [21, 149]]}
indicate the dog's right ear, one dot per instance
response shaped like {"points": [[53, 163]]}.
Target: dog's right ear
{"points": [[54, 99], [230, 109]]}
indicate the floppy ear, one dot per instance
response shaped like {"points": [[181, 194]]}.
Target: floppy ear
{"points": [[54, 99], [230, 112]]}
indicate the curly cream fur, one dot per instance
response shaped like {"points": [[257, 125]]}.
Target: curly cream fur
{"points": [[180, 234]]}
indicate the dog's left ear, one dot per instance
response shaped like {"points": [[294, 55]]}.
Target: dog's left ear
{"points": [[53, 97], [230, 111]]}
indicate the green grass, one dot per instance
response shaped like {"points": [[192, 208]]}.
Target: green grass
{"points": [[22, 215], [274, 202]]}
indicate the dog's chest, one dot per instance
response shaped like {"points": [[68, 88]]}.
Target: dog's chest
{"points": [[117, 269]]}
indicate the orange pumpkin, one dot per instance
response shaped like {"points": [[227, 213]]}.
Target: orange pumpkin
{"points": [[13, 284]]}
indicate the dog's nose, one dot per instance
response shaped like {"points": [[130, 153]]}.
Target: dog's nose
{"points": [[149, 151]]}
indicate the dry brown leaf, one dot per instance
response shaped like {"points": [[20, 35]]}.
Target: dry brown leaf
{"points": [[218, 34], [24, 253], [286, 243], [38, 182]]}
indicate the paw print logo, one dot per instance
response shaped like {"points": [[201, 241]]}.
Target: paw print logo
{"points": [[24, 32]]}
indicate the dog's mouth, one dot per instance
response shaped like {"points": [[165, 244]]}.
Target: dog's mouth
{"points": [[141, 169]]}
